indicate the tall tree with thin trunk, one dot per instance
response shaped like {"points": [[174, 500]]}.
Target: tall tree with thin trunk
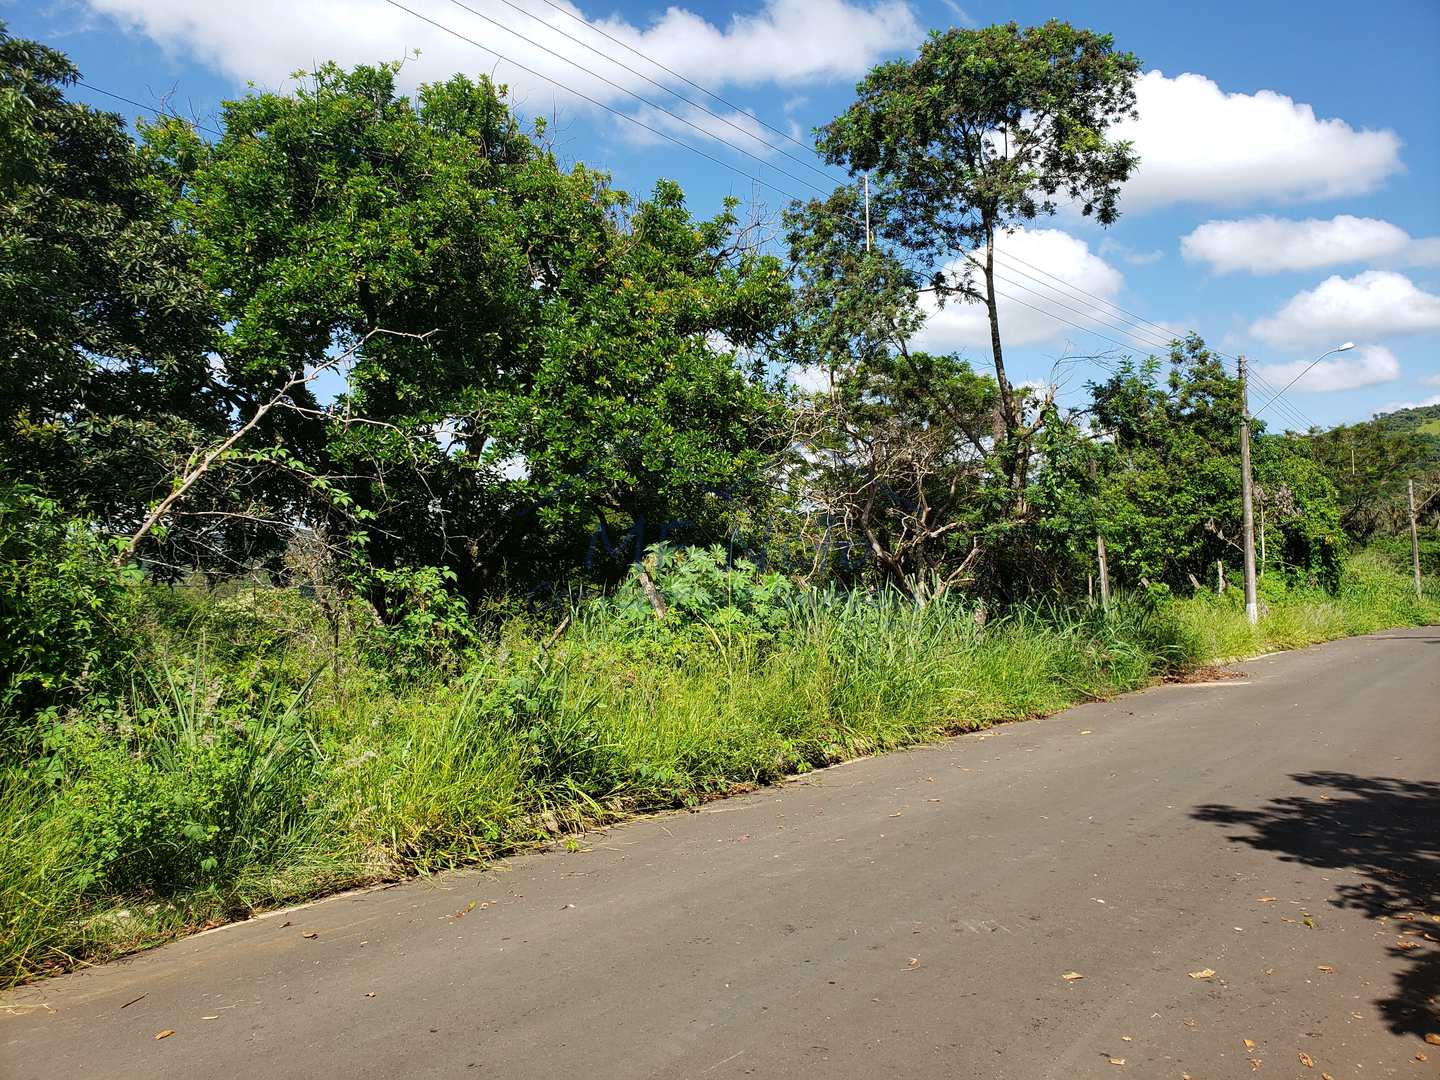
{"points": [[984, 130]]}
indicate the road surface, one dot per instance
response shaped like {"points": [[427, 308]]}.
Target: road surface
{"points": [[913, 915]]}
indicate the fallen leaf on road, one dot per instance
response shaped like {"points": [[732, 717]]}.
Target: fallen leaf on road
{"points": [[1420, 1056], [1265, 899], [164, 1034], [286, 923], [1328, 969], [1255, 1063], [1087, 733], [1433, 1039], [312, 934], [1071, 976], [1306, 1060], [1406, 943], [1249, 1044], [1117, 1061], [1326, 1076], [369, 993], [215, 1017], [1127, 1038], [464, 910], [1097, 900], [1204, 973], [1309, 922]]}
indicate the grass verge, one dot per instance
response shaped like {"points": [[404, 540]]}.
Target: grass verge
{"points": [[246, 777]]}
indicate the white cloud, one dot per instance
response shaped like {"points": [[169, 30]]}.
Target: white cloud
{"points": [[1431, 380], [783, 41], [1423, 252], [1367, 365], [1376, 303], [961, 324], [1199, 144], [1264, 245]]}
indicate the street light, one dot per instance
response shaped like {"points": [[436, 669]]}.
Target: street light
{"points": [[1338, 349]]}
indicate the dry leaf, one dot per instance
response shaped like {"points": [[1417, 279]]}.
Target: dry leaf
{"points": [[1306, 1060], [1326, 1076], [164, 1034], [215, 1017], [1420, 1056], [1406, 944], [1071, 976], [1117, 1061], [1265, 899], [1328, 969], [311, 934], [1433, 1039], [1127, 1038], [1204, 973], [1254, 1064], [1249, 1044], [1087, 733]]}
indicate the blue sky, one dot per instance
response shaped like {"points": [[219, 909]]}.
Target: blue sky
{"points": [[1286, 200]]}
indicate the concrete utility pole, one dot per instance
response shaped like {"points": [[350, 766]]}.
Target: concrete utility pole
{"points": [[867, 211], [1414, 541], [1252, 606]]}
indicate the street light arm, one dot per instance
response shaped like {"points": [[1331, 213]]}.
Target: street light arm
{"points": [[1271, 399]]}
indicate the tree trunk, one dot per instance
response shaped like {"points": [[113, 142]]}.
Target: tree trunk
{"points": [[1012, 454], [1007, 394]]}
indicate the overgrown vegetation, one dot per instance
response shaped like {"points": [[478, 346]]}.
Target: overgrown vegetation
{"points": [[378, 494], [262, 760]]}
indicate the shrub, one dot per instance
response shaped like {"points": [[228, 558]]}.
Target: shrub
{"points": [[66, 613]]}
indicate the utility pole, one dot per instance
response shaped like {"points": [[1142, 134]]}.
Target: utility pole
{"points": [[1104, 571], [1252, 607], [1100, 553], [867, 212], [1414, 541]]}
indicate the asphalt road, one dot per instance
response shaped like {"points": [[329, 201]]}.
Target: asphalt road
{"points": [[913, 915]]}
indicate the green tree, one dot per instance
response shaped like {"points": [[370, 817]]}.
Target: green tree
{"points": [[987, 129], [103, 325], [1167, 492], [532, 348]]}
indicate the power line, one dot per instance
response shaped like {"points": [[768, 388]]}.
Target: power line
{"points": [[148, 108], [660, 86], [1148, 342], [670, 71], [612, 110], [623, 89], [1164, 331]]}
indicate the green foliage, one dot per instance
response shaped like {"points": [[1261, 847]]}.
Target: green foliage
{"points": [[105, 325], [179, 792], [430, 629], [709, 599], [66, 614], [987, 128], [1167, 497], [1369, 463], [190, 801]]}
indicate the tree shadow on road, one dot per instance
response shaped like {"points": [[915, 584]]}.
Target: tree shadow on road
{"points": [[1386, 831]]}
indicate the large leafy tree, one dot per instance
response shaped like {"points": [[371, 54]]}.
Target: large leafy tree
{"points": [[984, 130], [104, 327], [532, 349]]}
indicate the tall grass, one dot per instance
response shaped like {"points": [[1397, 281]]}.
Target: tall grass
{"points": [[204, 797]]}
